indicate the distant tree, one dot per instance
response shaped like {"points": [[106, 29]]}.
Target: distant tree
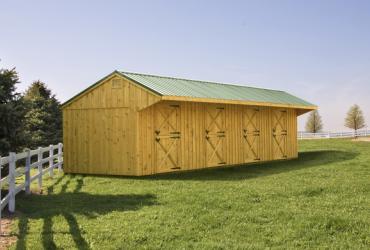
{"points": [[314, 123], [355, 119], [43, 124], [12, 112]]}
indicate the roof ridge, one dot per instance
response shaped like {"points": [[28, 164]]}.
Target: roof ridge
{"points": [[220, 83]]}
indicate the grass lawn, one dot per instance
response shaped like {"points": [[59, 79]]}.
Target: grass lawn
{"points": [[321, 200]]}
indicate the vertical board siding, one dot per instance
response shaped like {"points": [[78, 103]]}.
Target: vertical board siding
{"points": [[193, 144], [111, 130], [292, 141], [265, 134], [100, 129]]}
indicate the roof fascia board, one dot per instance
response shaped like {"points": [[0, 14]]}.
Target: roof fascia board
{"points": [[224, 101]]}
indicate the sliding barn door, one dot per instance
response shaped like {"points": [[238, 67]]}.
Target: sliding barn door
{"points": [[251, 124], [279, 133], [167, 137], [215, 135]]}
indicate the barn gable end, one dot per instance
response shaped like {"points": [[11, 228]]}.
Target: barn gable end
{"points": [[100, 127], [113, 91]]}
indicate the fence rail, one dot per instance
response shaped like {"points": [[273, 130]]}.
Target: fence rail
{"points": [[54, 160], [305, 135]]}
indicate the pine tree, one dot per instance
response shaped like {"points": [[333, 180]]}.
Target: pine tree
{"points": [[314, 123], [355, 119], [12, 112], [43, 125]]}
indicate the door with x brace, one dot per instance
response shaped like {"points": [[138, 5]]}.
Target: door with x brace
{"points": [[279, 133], [167, 137], [251, 124], [215, 135]]}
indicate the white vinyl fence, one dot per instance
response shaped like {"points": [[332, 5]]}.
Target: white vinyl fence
{"points": [[305, 135], [54, 159]]}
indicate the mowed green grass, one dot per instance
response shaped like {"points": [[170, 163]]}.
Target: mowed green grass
{"points": [[321, 200]]}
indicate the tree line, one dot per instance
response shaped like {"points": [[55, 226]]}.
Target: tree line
{"points": [[354, 120], [30, 119]]}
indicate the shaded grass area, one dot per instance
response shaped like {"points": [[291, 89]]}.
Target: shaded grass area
{"points": [[320, 200]]}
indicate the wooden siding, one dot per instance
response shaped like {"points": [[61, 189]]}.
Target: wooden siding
{"points": [[100, 128], [198, 121], [105, 95], [121, 128]]}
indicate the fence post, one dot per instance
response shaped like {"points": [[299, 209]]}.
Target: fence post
{"points": [[51, 161], [60, 145], [28, 172], [12, 159], [39, 167]]}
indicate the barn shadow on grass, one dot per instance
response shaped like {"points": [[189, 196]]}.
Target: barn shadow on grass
{"points": [[67, 205], [305, 160]]}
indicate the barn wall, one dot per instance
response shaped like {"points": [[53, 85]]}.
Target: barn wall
{"points": [[292, 140], [193, 148], [100, 128]]}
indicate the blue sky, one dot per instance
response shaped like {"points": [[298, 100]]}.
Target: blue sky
{"points": [[317, 50]]}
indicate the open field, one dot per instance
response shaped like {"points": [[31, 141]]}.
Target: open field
{"points": [[321, 200]]}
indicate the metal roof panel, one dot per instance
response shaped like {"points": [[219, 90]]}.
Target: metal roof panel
{"points": [[170, 86]]}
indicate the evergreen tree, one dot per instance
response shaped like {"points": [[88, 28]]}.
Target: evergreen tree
{"points": [[355, 119], [43, 125], [314, 122], [12, 112]]}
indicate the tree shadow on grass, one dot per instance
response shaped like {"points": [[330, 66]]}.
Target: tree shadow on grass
{"points": [[305, 160], [68, 204]]}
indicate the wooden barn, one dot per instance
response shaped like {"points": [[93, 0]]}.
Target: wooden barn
{"points": [[136, 124]]}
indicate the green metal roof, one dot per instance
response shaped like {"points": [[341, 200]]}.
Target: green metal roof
{"points": [[169, 86]]}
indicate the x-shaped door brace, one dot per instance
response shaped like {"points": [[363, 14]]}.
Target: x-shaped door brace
{"points": [[250, 119], [278, 119], [278, 142], [215, 148], [283, 135], [256, 131], [218, 134], [166, 118], [251, 145], [167, 153], [214, 119]]}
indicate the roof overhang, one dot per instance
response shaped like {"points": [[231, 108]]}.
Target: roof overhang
{"points": [[300, 108]]}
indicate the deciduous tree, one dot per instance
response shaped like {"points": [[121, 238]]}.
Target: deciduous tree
{"points": [[314, 122], [355, 119]]}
